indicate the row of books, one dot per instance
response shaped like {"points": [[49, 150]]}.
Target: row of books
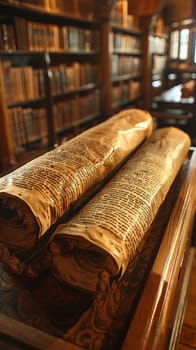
{"points": [[125, 65], [40, 36], [121, 18], [125, 43], [89, 104], [135, 89], [28, 126], [35, 36], [65, 77], [27, 83], [83, 8], [157, 44], [65, 113], [72, 112], [7, 37], [125, 92], [22, 83], [158, 64]]}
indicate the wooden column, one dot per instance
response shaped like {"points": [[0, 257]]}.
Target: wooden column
{"points": [[6, 139], [147, 64], [103, 11], [106, 100]]}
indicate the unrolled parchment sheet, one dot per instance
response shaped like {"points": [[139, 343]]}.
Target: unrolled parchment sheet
{"points": [[36, 195], [108, 230]]}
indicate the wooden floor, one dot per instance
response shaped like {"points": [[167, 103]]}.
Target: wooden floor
{"points": [[188, 334]]}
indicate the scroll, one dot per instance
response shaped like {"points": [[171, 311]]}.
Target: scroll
{"points": [[35, 196], [107, 232]]}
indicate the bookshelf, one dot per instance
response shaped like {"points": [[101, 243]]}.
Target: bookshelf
{"points": [[125, 46], [155, 56], [50, 64], [65, 70], [23, 87]]}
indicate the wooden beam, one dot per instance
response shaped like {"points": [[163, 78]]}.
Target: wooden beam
{"points": [[144, 7], [104, 7]]}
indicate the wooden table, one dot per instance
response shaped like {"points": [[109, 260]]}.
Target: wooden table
{"points": [[141, 311], [171, 108]]}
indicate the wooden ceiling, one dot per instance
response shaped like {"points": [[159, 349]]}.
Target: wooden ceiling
{"points": [[179, 10], [174, 10], [145, 7]]}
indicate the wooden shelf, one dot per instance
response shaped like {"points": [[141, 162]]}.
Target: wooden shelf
{"points": [[82, 89], [44, 15], [126, 77], [124, 30], [86, 31], [27, 103], [127, 53]]}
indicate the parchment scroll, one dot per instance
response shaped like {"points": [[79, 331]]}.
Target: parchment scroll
{"points": [[108, 230], [35, 196]]}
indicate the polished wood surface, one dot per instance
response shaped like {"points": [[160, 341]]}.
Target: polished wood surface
{"points": [[183, 347], [188, 333], [31, 337], [149, 328]]}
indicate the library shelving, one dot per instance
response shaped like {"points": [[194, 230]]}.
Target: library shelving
{"points": [[50, 88], [155, 57], [125, 46], [64, 71]]}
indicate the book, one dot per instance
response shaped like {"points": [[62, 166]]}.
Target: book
{"points": [[7, 36], [22, 83], [43, 125], [28, 126]]}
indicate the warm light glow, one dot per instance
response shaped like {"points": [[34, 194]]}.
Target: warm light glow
{"points": [[184, 43], [194, 50], [174, 44]]}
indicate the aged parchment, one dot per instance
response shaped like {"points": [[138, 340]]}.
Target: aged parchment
{"points": [[108, 230], [35, 196]]}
